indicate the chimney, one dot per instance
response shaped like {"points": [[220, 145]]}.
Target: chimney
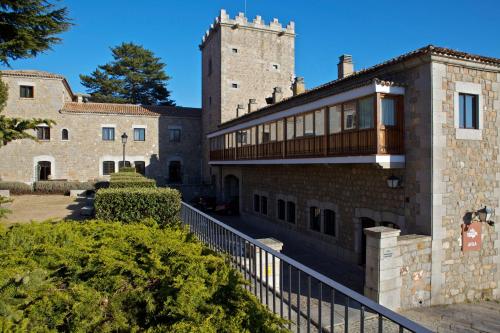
{"points": [[277, 95], [240, 110], [299, 86], [252, 105], [345, 66], [82, 98]]}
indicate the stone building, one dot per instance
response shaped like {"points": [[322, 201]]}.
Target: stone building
{"points": [[410, 145], [85, 143]]}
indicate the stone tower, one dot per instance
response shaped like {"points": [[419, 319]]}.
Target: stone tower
{"points": [[242, 62]]}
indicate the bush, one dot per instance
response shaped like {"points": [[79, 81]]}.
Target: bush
{"points": [[126, 175], [98, 276], [60, 186], [133, 204], [16, 187], [130, 179], [127, 169]]}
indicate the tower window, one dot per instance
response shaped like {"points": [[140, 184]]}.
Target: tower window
{"points": [[64, 135], [235, 50], [26, 92], [234, 85], [276, 67]]}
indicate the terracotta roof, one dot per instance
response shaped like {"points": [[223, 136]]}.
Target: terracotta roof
{"points": [[32, 73], [352, 82], [130, 109]]}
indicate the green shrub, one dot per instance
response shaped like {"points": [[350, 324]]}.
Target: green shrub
{"points": [[60, 186], [126, 175], [98, 276], [127, 169], [133, 183], [16, 187], [133, 204]]}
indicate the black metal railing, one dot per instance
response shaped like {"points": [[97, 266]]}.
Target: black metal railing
{"points": [[308, 300]]}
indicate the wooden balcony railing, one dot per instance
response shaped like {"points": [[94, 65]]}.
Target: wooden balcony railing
{"points": [[350, 143]]}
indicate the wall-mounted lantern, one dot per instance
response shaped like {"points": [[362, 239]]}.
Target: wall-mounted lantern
{"points": [[393, 182]]}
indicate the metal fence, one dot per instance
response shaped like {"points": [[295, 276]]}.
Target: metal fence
{"points": [[308, 300]]}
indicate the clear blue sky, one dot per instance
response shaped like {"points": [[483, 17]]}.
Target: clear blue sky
{"points": [[372, 31]]}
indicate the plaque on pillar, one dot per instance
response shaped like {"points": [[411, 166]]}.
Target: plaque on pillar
{"points": [[471, 237]]}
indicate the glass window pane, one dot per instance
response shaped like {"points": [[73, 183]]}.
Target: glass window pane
{"points": [[273, 131], [469, 111], [279, 130], [388, 112], [299, 126], [253, 135], [349, 116], [366, 113], [309, 124], [461, 102], [290, 128], [335, 115], [319, 122]]}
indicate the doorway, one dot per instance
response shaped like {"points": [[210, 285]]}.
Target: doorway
{"points": [[232, 193], [43, 168]]}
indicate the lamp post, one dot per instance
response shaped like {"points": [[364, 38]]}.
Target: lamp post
{"points": [[124, 142]]}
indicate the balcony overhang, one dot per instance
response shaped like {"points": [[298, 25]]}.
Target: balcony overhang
{"points": [[376, 86], [384, 161]]}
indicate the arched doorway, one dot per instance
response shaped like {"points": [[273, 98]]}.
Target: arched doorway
{"points": [[365, 223], [232, 193], [43, 170]]}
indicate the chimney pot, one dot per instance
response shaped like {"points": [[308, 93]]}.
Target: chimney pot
{"points": [[299, 86], [252, 105], [345, 66], [240, 110], [277, 95]]}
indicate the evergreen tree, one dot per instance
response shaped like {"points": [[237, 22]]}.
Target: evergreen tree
{"points": [[28, 27], [134, 76]]}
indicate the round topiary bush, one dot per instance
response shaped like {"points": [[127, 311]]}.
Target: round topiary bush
{"points": [[100, 277]]}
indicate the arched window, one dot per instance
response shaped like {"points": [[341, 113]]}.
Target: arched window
{"points": [[64, 134]]}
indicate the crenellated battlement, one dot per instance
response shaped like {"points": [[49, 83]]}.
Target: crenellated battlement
{"points": [[241, 21]]}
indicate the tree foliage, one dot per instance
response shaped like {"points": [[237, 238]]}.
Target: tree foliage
{"points": [[16, 128], [134, 76], [28, 27], [109, 277]]}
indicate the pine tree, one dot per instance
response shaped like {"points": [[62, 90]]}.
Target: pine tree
{"points": [[28, 27], [134, 76]]}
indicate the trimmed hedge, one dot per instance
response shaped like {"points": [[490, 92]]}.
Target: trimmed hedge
{"points": [[16, 188], [126, 169], [97, 276], [130, 205], [61, 187], [126, 175], [133, 183]]}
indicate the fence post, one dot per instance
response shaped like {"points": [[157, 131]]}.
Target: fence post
{"points": [[383, 263]]}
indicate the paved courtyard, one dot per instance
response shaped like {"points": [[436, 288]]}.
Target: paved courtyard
{"points": [[26, 208]]}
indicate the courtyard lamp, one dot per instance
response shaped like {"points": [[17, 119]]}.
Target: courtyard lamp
{"points": [[393, 181], [124, 142]]}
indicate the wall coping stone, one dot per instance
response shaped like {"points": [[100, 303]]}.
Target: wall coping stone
{"points": [[382, 232]]}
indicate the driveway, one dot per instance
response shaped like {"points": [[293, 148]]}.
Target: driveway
{"points": [[27, 208]]}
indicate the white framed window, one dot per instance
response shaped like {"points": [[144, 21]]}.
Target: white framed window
{"points": [[139, 134], [468, 111]]}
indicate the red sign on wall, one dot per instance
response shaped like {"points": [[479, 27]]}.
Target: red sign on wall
{"points": [[471, 237]]}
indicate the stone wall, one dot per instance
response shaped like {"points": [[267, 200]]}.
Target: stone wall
{"points": [[466, 178]]}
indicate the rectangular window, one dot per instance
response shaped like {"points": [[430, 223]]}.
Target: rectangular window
{"points": [[174, 172], [468, 111], [273, 131], [108, 167], [309, 124], [242, 137], [279, 130], [139, 134], [235, 50], [335, 121], [388, 112], [299, 126], [263, 205], [290, 128], [281, 209], [26, 91], [256, 203], [319, 122], [366, 112], [174, 134], [121, 165], [108, 133], [349, 116], [290, 212], [140, 167], [329, 222], [315, 218], [43, 133], [266, 134]]}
